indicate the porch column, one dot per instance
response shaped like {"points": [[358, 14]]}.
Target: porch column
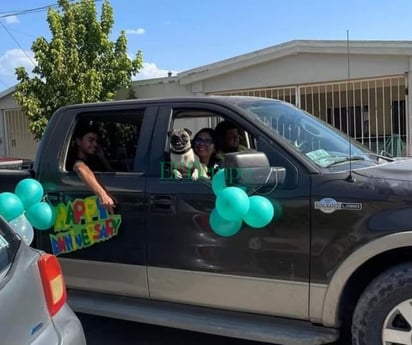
{"points": [[408, 110], [2, 135]]}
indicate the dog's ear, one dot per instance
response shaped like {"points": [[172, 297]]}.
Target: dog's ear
{"points": [[188, 131], [169, 132]]}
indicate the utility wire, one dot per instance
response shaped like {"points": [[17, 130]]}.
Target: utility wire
{"points": [[31, 10], [28, 11], [25, 53]]}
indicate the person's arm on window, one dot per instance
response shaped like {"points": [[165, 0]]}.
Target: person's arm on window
{"points": [[90, 180]]}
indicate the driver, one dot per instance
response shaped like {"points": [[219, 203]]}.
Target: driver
{"points": [[228, 139]]}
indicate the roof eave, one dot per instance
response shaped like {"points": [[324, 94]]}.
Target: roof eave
{"points": [[7, 92], [294, 48]]}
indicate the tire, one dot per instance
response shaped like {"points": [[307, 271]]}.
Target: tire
{"points": [[383, 314]]}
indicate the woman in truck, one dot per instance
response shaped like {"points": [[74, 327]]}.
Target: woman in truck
{"points": [[86, 157], [204, 147]]}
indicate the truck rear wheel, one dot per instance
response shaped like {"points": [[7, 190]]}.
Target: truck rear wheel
{"points": [[383, 314]]}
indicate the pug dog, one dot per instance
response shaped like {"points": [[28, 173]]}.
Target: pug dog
{"points": [[183, 160]]}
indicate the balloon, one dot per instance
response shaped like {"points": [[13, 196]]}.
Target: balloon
{"points": [[218, 181], [10, 206], [222, 226], [41, 215], [232, 203], [29, 191], [22, 227], [260, 212]]}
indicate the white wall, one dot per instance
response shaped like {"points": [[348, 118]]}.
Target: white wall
{"points": [[305, 69], [291, 70], [164, 87], [2, 136], [8, 102]]}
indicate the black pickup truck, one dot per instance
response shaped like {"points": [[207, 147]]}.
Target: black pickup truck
{"points": [[335, 261]]}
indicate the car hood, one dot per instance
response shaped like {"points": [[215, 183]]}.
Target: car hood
{"points": [[400, 169]]}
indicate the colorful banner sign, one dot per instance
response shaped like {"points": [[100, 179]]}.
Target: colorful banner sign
{"points": [[82, 223]]}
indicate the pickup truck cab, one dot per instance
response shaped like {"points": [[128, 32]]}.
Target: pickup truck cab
{"points": [[334, 262]]}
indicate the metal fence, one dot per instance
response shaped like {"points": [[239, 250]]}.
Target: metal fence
{"points": [[373, 111]]}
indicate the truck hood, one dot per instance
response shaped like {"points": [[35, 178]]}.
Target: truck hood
{"points": [[400, 170]]}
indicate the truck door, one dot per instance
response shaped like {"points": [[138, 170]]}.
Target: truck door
{"points": [[98, 251], [256, 270]]}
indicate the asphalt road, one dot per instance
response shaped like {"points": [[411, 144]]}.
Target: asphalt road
{"points": [[105, 331]]}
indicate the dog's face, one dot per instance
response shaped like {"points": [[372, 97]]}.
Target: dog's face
{"points": [[180, 139]]}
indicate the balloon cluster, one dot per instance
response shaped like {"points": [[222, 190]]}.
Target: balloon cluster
{"points": [[233, 207], [25, 209]]}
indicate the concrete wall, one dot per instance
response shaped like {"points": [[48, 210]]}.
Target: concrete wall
{"points": [[305, 69], [291, 70], [8, 102], [2, 135], [162, 87]]}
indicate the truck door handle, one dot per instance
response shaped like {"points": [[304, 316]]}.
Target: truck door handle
{"points": [[162, 203], [55, 196]]}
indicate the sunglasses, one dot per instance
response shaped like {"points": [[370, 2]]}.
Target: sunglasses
{"points": [[200, 141]]}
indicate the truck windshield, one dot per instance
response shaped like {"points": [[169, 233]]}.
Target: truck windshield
{"points": [[316, 140]]}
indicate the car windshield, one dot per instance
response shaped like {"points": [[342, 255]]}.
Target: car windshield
{"points": [[316, 140], [9, 243]]}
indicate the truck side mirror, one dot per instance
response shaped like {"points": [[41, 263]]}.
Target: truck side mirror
{"points": [[251, 169]]}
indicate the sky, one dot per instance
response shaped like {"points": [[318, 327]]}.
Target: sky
{"points": [[178, 35]]}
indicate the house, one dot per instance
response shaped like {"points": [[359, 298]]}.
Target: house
{"points": [[360, 87], [15, 138]]}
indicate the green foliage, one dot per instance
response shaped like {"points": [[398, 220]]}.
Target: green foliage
{"points": [[79, 64]]}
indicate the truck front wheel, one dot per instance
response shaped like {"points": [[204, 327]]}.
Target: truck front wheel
{"points": [[383, 314]]}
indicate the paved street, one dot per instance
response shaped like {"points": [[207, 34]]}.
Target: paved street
{"points": [[105, 331]]}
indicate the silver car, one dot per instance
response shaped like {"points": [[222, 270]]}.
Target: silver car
{"points": [[33, 308]]}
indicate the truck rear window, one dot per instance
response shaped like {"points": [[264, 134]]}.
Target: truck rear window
{"points": [[9, 244]]}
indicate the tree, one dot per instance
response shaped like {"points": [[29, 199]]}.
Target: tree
{"points": [[79, 64]]}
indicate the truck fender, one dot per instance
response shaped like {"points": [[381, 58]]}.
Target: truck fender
{"points": [[330, 313]]}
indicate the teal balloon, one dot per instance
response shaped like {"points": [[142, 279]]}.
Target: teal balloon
{"points": [[29, 191], [260, 212], [10, 206], [41, 215], [22, 227], [232, 203], [223, 227], [218, 182]]}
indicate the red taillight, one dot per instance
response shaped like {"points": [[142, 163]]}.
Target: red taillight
{"points": [[53, 282]]}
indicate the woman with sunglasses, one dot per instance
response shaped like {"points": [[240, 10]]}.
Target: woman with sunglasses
{"points": [[204, 147]]}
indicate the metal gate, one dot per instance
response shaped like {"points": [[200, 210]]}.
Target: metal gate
{"points": [[19, 141], [373, 111]]}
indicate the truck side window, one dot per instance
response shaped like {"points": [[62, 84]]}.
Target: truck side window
{"points": [[277, 159], [197, 120], [117, 138]]}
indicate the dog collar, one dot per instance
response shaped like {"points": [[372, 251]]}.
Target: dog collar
{"points": [[181, 152]]}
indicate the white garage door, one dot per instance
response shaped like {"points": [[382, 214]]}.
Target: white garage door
{"points": [[19, 141]]}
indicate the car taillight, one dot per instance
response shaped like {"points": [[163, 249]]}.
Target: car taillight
{"points": [[53, 282]]}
